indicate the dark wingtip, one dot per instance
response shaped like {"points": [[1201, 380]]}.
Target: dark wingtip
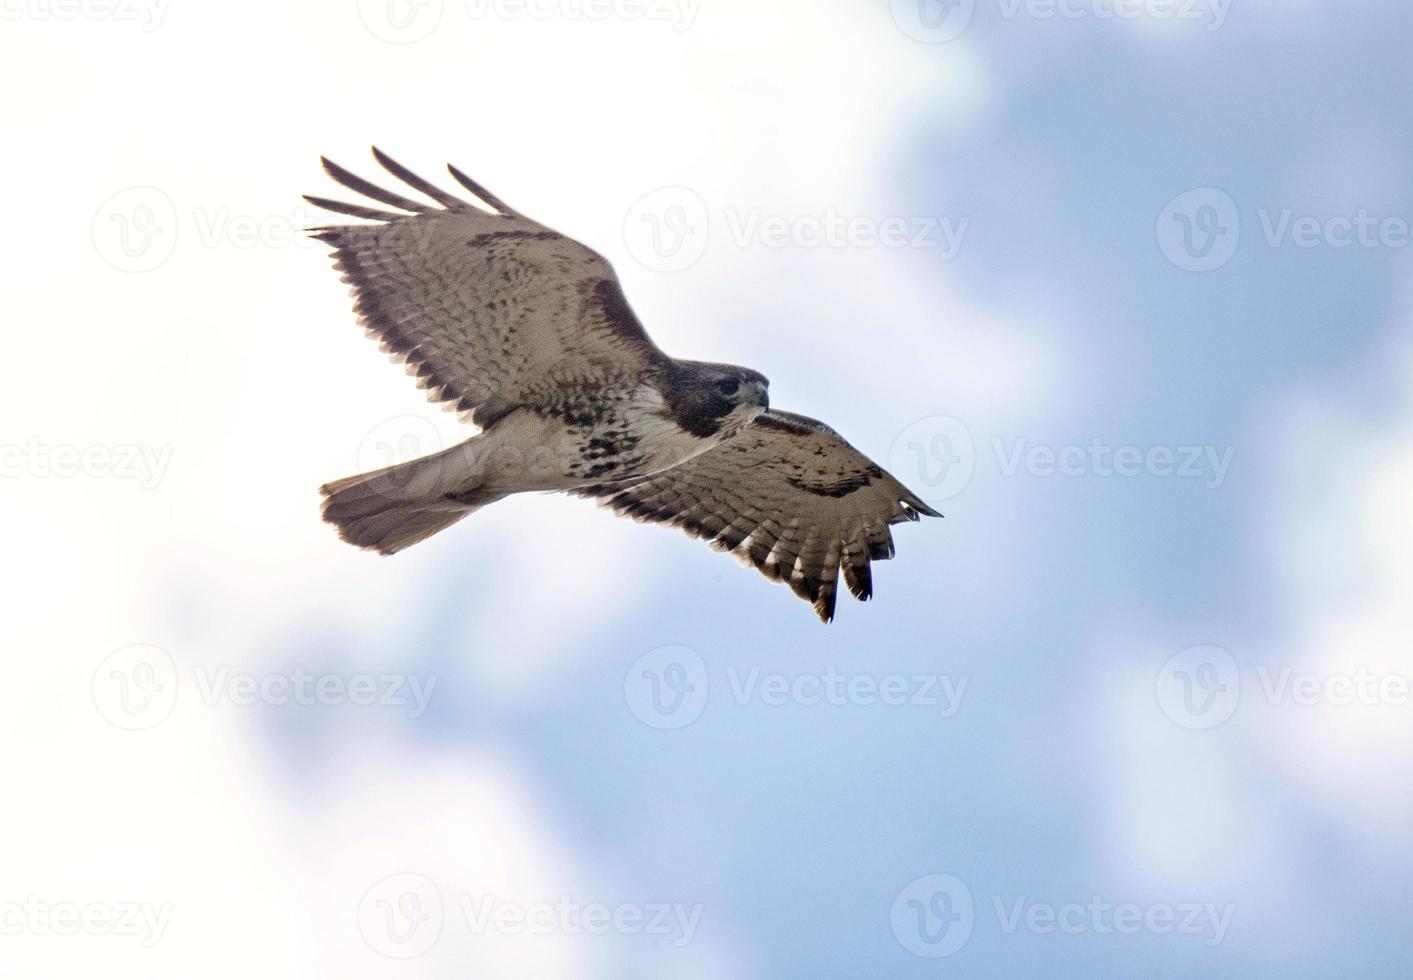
{"points": [[917, 504], [859, 579], [353, 210], [417, 183], [483, 195]]}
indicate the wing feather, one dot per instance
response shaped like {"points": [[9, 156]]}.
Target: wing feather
{"points": [[448, 201], [787, 496], [487, 308], [368, 189]]}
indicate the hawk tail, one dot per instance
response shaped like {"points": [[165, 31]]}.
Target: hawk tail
{"points": [[393, 508]]}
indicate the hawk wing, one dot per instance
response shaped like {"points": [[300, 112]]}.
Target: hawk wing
{"points": [[788, 496], [486, 306]]}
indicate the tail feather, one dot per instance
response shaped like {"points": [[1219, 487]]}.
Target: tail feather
{"points": [[393, 508]]}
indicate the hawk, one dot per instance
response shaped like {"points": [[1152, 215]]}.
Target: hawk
{"points": [[527, 333]]}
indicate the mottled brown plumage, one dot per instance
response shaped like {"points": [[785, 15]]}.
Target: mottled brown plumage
{"points": [[528, 334]]}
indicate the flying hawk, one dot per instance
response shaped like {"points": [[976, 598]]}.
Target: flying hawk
{"points": [[528, 334]]}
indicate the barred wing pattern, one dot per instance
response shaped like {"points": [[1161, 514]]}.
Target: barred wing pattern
{"points": [[787, 496], [487, 308]]}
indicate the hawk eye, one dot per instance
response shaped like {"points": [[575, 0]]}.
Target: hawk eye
{"points": [[728, 386]]}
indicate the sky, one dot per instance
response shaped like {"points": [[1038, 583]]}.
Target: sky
{"points": [[1122, 287]]}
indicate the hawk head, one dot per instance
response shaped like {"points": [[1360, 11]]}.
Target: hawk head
{"points": [[715, 399]]}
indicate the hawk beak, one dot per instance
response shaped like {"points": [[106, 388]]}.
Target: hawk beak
{"points": [[764, 396]]}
